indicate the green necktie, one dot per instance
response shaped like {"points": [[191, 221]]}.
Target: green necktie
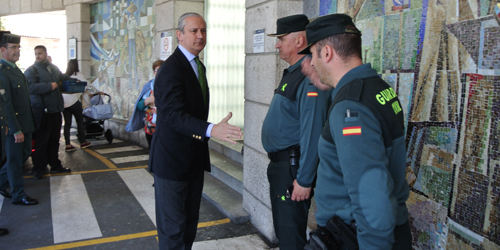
{"points": [[201, 79]]}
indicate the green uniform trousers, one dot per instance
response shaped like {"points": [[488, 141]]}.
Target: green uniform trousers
{"points": [[289, 217]]}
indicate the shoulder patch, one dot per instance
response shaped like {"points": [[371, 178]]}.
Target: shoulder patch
{"points": [[351, 131], [312, 94]]}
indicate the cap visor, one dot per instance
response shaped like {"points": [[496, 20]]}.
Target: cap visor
{"points": [[306, 50], [277, 35]]}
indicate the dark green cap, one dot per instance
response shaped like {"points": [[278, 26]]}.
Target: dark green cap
{"points": [[289, 24], [3, 32], [327, 26], [10, 38]]}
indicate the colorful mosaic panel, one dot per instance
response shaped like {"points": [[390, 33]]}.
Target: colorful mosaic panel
{"points": [[371, 47], [396, 6], [410, 36], [489, 58], [442, 58], [122, 47], [469, 209], [428, 223], [478, 121], [371, 9], [391, 42], [468, 33], [404, 92], [415, 4], [327, 7]]}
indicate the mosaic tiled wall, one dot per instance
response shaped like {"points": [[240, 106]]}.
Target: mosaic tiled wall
{"points": [[122, 47], [442, 57]]}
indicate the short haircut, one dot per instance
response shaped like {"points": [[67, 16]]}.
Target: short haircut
{"points": [[41, 47], [346, 45], [182, 20], [157, 63]]}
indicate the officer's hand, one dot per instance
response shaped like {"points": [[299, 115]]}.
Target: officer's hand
{"points": [[19, 137], [6, 130], [309, 71], [54, 85], [225, 131], [300, 193]]}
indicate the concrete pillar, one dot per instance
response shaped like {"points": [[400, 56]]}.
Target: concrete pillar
{"points": [[78, 26], [167, 16], [263, 72]]}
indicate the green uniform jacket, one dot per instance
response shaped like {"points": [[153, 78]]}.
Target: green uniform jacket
{"points": [[3, 116], [296, 117], [362, 151], [19, 111]]}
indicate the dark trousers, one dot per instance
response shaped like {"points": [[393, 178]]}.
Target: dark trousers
{"points": [[177, 211], [75, 110], [402, 236], [289, 217], [149, 138], [47, 143], [12, 171]]}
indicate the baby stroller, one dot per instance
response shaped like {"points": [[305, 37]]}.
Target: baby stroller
{"points": [[95, 115]]}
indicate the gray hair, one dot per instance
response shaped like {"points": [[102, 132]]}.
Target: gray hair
{"points": [[182, 20]]}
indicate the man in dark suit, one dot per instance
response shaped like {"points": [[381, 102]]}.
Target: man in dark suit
{"points": [[179, 149], [21, 122]]}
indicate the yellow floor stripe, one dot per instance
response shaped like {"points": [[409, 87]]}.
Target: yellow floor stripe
{"points": [[100, 157], [90, 171], [96, 155], [122, 237]]}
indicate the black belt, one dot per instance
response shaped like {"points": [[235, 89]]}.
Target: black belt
{"points": [[283, 155]]}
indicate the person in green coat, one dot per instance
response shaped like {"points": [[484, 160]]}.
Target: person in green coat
{"points": [[361, 185], [290, 134], [20, 120], [3, 133]]}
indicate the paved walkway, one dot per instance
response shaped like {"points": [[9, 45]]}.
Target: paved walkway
{"points": [[107, 202]]}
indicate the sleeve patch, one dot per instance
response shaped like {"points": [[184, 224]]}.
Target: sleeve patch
{"points": [[312, 94], [351, 131]]}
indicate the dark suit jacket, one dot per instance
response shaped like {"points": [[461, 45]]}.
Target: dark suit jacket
{"points": [[19, 113], [179, 149]]}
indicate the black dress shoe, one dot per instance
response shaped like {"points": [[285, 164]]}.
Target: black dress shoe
{"points": [[3, 231], [38, 175], [60, 170], [5, 194], [26, 201]]}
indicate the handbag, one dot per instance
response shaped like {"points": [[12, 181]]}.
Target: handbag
{"points": [[99, 110]]}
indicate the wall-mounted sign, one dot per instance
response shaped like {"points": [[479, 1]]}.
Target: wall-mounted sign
{"points": [[165, 45], [72, 48], [258, 41]]}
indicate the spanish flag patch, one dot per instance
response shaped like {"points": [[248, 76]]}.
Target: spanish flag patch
{"points": [[351, 131], [312, 94]]}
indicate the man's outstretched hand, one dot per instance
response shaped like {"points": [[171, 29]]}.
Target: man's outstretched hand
{"points": [[225, 131]]}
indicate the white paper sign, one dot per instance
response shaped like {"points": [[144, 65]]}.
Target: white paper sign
{"points": [[258, 41], [165, 45], [72, 48]]}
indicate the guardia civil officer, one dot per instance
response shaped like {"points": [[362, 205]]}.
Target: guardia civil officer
{"points": [[21, 122], [290, 135], [361, 175], [3, 132]]}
